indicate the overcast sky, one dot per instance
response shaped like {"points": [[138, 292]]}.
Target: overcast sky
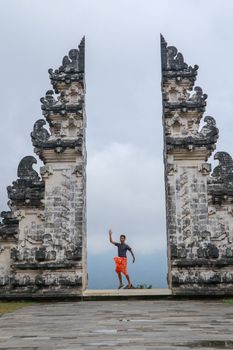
{"points": [[123, 101]]}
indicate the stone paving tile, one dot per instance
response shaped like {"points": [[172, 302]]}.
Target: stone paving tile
{"points": [[138, 325]]}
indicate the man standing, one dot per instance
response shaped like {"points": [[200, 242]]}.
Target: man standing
{"points": [[121, 259]]}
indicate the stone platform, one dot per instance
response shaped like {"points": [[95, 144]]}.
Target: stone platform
{"points": [[123, 325], [98, 294]]}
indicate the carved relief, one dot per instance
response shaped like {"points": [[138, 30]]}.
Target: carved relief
{"points": [[182, 137], [205, 168], [173, 65], [25, 170], [71, 127], [28, 189], [73, 95], [175, 60], [46, 171], [209, 131], [224, 171], [171, 169], [220, 184], [197, 96], [176, 93], [39, 133], [48, 100]]}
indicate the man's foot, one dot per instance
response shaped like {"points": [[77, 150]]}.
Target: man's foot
{"points": [[121, 286], [130, 286]]}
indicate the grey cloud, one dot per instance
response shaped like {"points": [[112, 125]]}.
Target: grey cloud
{"points": [[124, 196]]}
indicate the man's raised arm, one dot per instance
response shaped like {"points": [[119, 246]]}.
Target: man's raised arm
{"points": [[110, 237]]}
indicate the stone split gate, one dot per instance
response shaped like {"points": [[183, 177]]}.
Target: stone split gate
{"points": [[43, 235]]}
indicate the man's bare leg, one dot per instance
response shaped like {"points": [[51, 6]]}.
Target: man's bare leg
{"points": [[129, 283], [120, 280]]}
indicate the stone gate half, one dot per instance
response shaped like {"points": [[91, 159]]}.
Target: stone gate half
{"points": [[43, 236], [199, 204]]}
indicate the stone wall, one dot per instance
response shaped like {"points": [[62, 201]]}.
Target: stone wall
{"points": [[198, 204], [43, 236]]}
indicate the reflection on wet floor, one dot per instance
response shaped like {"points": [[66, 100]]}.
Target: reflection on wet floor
{"points": [[209, 344], [123, 325]]}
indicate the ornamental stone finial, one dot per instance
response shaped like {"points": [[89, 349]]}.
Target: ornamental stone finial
{"points": [[25, 170], [72, 68], [173, 64]]}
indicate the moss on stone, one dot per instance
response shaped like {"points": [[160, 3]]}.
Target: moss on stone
{"points": [[9, 306]]}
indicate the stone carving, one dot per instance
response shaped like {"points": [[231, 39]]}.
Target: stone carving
{"points": [[72, 68], [74, 254], [70, 63], [41, 140], [209, 131], [205, 168], [206, 137], [74, 61], [39, 133], [78, 170], [176, 118], [8, 226], [73, 95], [208, 250], [46, 171], [68, 101], [223, 171], [171, 169], [25, 170], [28, 189], [198, 97], [19, 214], [220, 185], [177, 95], [175, 60], [71, 127], [178, 251], [173, 64], [49, 99]]}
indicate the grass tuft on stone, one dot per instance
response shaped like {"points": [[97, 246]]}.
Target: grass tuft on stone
{"points": [[9, 306]]}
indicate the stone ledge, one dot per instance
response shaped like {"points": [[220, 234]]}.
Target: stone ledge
{"points": [[126, 292], [50, 266], [203, 263]]}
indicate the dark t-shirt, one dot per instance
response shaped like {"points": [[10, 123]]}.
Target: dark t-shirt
{"points": [[122, 249]]}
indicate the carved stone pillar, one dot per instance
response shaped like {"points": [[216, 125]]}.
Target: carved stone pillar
{"points": [[186, 151], [45, 231], [64, 155]]}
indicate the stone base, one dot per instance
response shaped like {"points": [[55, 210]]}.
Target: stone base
{"points": [[72, 293], [210, 292]]}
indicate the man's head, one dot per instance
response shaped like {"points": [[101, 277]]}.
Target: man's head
{"points": [[122, 238]]}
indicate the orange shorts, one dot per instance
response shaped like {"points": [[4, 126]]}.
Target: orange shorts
{"points": [[121, 265]]}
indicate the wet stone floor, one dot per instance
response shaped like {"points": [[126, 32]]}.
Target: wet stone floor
{"points": [[132, 324]]}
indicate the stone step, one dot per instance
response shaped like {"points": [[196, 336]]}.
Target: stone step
{"points": [[126, 293]]}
